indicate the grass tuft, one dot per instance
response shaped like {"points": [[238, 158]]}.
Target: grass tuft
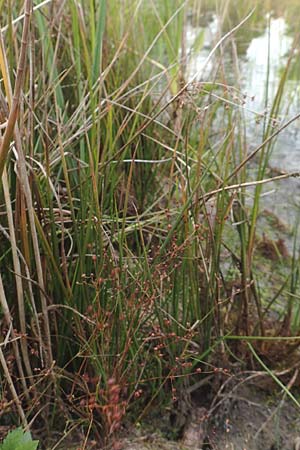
{"points": [[129, 214]]}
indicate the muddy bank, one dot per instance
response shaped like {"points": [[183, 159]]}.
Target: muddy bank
{"points": [[251, 416]]}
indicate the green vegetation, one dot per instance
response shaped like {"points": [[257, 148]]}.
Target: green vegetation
{"points": [[18, 440], [129, 206]]}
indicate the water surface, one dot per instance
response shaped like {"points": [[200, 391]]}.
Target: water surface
{"points": [[263, 46]]}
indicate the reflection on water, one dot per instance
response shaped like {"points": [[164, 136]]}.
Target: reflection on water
{"points": [[198, 59], [274, 45], [261, 65], [263, 51], [265, 60]]}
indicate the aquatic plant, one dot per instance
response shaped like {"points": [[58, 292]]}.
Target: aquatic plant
{"points": [[124, 204]]}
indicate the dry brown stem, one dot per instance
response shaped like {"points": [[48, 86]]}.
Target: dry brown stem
{"points": [[14, 111]]}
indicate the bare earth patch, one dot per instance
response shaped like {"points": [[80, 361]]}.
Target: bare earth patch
{"points": [[247, 418]]}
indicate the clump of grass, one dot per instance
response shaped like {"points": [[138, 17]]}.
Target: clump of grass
{"points": [[117, 201]]}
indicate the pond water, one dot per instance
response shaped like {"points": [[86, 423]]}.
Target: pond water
{"points": [[263, 46]]}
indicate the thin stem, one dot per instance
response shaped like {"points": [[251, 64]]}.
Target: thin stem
{"points": [[14, 112]]}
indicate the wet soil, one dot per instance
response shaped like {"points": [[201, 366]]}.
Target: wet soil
{"points": [[245, 417]]}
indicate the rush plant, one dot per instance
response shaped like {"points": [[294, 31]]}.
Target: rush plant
{"points": [[123, 208]]}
